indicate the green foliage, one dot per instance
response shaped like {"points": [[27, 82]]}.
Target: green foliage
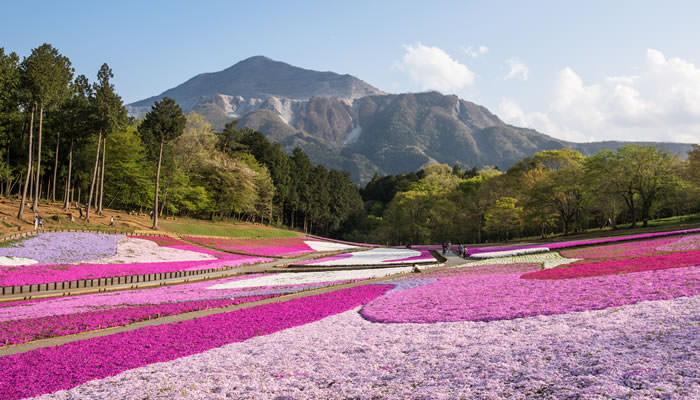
{"points": [[46, 74], [127, 173], [163, 123], [503, 217], [109, 110]]}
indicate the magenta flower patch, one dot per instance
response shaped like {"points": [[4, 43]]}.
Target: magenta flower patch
{"points": [[27, 330], [47, 370], [618, 266]]}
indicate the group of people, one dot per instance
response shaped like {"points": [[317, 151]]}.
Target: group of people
{"points": [[461, 250], [38, 222]]}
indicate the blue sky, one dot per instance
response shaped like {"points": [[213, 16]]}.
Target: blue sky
{"points": [[597, 70]]}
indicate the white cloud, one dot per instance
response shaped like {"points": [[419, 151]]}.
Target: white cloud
{"points": [[434, 69], [475, 52], [511, 112], [518, 70], [661, 102]]}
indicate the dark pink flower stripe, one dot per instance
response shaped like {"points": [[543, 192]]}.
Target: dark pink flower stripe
{"points": [[26, 330], [619, 266], [50, 369]]}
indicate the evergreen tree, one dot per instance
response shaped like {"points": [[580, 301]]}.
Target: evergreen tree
{"points": [[47, 75], [162, 124]]}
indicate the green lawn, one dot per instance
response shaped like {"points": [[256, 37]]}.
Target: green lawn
{"points": [[194, 227]]}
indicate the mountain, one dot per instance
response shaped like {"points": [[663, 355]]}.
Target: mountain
{"points": [[255, 83], [344, 123]]}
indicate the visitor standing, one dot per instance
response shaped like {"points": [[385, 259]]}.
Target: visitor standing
{"points": [[36, 222], [111, 221], [41, 223]]}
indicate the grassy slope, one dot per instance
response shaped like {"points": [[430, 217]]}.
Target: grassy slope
{"points": [[56, 218], [224, 229]]}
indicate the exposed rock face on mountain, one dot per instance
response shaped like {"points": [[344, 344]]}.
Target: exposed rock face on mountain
{"points": [[259, 82], [343, 122]]}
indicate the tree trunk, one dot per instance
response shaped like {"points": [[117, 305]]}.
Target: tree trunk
{"points": [[55, 169], [155, 198], [165, 198], [102, 175], [94, 176], [9, 180], [31, 183], [29, 166], [35, 204], [97, 189], [70, 166]]}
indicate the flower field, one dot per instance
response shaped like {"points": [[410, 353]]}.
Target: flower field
{"points": [[376, 256], [581, 243], [281, 247], [611, 321], [70, 256]]}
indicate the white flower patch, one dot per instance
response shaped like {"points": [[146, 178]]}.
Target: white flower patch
{"points": [[374, 257], [509, 253], [547, 260], [133, 251], [294, 278], [327, 246], [9, 261]]}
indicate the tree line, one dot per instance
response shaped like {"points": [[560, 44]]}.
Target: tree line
{"points": [[166, 162], [554, 191]]}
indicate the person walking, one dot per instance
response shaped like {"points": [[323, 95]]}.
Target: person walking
{"points": [[36, 222], [111, 221], [41, 223]]}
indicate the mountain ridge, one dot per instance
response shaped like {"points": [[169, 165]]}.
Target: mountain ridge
{"points": [[343, 122]]}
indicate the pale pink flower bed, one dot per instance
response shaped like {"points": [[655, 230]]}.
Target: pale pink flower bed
{"points": [[648, 350]]}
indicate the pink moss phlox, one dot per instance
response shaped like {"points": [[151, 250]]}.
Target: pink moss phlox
{"points": [[424, 256], [577, 243], [27, 330], [490, 297], [264, 247], [50, 369], [47, 273], [626, 249], [618, 266], [690, 242]]}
